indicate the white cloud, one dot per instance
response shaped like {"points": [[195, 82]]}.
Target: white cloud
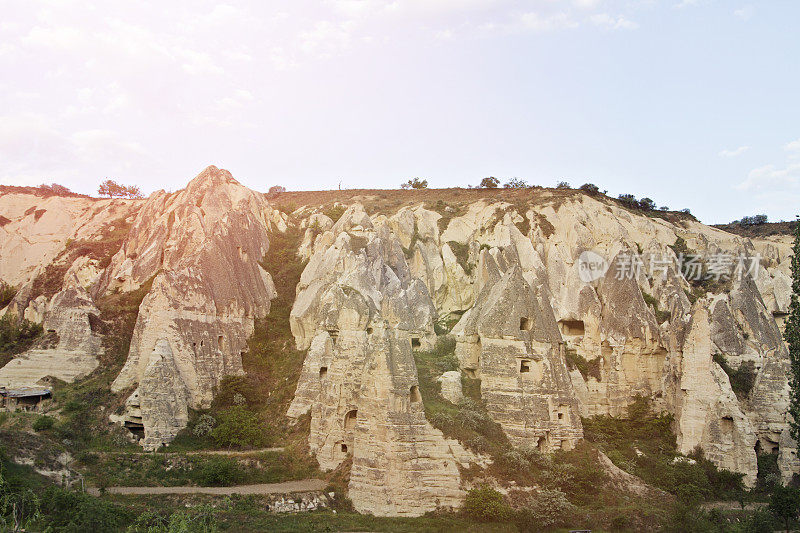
{"points": [[793, 148], [735, 152], [771, 177], [744, 13], [609, 22], [557, 21]]}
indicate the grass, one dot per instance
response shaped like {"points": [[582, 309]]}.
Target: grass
{"points": [[585, 367], [137, 469], [742, 379], [643, 444], [468, 422], [461, 251]]}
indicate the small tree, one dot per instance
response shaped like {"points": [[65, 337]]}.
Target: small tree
{"points": [[55, 189], [792, 336], [112, 189], [628, 200], [785, 505], [516, 183], [489, 183], [415, 183], [563, 185], [590, 189], [647, 204]]}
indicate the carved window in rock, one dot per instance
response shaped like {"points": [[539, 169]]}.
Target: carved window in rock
{"points": [[726, 428], [350, 419], [343, 447], [541, 445], [416, 397], [323, 371], [572, 327], [415, 342], [334, 334], [525, 323], [525, 366], [562, 414]]}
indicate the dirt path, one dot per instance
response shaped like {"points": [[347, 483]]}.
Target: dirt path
{"points": [[733, 506], [303, 485], [233, 453]]}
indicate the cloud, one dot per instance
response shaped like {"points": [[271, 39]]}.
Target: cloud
{"points": [[793, 148], [609, 22], [542, 23], [771, 176], [735, 152], [744, 13]]}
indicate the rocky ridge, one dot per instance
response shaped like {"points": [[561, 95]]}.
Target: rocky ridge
{"points": [[505, 275]]}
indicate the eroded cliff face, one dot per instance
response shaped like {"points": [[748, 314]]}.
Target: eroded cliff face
{"points": [[202, 246], [359, 312], [505, 276], [511, 273]]}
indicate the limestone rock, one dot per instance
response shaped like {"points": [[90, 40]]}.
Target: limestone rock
{"points": [[450, 383], [203, 245]]}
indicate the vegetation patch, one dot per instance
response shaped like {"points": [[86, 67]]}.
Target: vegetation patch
{"points": [[461, 251], [643, 444], [742, 379], [585, 367]]}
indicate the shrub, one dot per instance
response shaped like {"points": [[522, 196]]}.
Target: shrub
{"points": [[43, 423], [516, 183], [204, 425], [275, 190], [334, 212], [590, 189], [415, 183], [77, 512], [544, 509], [16, 335], [742, 379], [563, 185], [647, 204], [218, 472], [784, 504], [484, 504], [586, 368], [7, 293], [628, 200], [113, 189], [489, 183], [238, 428]]}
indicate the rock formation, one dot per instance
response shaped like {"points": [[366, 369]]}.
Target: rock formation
{"points": [[202, 246], [549, 340]]}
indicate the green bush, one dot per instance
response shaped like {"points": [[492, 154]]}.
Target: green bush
{"points": [[238, 427], [43, 423], [16, 335], [218, 472], [586, 368], [544, 509], [484, 504], [334, 212], [67, 511], [742, 379], [7, 293]]}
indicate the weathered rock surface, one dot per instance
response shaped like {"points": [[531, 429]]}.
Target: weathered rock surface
{"points": [[359, 312], [203, 245], [69, 315]]}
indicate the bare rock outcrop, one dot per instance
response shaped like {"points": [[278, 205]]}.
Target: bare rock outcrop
{"points": [[360, 312], [202, 245]]}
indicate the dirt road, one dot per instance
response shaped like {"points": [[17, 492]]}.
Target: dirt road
{"points": [[303, 485]]}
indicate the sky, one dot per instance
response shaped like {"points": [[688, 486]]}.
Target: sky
{"points": [[693, 103]]}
